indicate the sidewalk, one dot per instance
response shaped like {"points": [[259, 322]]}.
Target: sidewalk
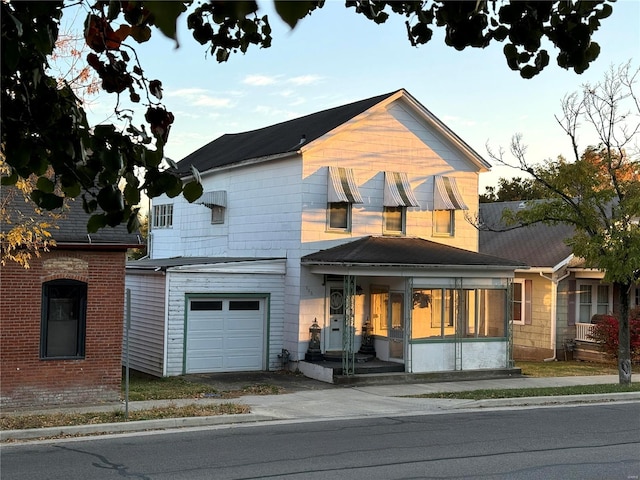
{"points": [[312, 402]]}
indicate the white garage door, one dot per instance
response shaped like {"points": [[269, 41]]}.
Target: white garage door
{"points": [[225, 335]]}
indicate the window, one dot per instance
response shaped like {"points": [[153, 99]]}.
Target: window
{"points": [[467, 313], [394, 220], [517, 308], [339, 214], [592, 298], [217, 214], [163, 216], [64, 307], [443, 222]]}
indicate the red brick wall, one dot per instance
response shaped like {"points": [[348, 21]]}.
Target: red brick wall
{"points": [[26, 379]]}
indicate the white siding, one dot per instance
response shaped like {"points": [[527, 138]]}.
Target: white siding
{"points": [[264, 285], [146, 334]]}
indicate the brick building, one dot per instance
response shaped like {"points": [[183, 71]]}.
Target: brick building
{"points": [[61, 320]]}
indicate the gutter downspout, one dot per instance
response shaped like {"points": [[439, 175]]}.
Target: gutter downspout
{"points": [[554, 313]]}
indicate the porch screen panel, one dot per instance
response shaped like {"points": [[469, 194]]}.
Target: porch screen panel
{"points": [[492, 313]]}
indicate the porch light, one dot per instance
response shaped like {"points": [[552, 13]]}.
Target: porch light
{"points": [[313, 352]]}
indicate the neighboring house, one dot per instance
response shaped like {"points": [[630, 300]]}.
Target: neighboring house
{"points": [[555, 299], [348, 220], [61, 320]]}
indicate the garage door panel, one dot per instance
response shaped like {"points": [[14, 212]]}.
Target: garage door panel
{"points": [[226, 340]]}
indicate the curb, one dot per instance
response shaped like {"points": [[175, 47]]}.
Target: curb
{"points": [[133, 426], [553, 400]]}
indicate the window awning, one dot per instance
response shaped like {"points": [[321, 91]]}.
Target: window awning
{"points": [[342, 186], [397, 191], [216, 198], [446, 195]]}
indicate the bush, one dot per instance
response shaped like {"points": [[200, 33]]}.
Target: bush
{"points": [[605, 333]]}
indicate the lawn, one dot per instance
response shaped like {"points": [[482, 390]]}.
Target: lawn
{"points": [[566, 369]]}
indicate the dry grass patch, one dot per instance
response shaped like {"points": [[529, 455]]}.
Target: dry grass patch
{"points": [[566, 369], [20, 422]]}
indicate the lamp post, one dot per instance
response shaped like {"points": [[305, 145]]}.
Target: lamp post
{"points": [[313, 351], [366, 347]]}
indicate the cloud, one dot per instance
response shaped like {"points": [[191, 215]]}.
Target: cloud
{"points": [[305, 80], [259, 80], [459, 121], [199, 97]]}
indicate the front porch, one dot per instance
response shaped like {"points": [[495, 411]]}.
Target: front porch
{"points": [[376, 371]]}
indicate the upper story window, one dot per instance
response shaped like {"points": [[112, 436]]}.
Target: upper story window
{"points": [[444, 223], [217, 202], [64, 309], [162, 216], [398, 195], [394, 220], [339, 216], [446, 200], [342, 193]]}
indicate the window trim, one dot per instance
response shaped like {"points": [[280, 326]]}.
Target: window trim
{"points": [[452, 223], [594, 298], [403, 220], [162, 216], [80, 327], [330, 209], [523, 301]]}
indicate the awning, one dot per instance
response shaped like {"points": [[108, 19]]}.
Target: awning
{"points": [[446, 195], [342, 186], [397, 191], [216, 198]]}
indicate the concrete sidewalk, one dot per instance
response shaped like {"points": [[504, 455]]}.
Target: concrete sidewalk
{"points": [[316, 403]]}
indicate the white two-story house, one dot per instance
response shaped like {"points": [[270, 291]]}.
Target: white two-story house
{"points": [[345, 224]]}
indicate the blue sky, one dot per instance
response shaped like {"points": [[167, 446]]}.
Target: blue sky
{"points": [[335, 57]]}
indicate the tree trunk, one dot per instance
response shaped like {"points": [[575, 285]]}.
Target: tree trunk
{"points": [[624, 340]]}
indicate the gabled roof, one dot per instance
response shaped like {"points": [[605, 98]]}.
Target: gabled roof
{"points": [[416, 252], [290, 136], [71, 228], [537, 245]]}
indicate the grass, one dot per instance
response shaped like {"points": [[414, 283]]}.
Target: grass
{"points": [[145, 387], [566, 369], [19, 422], [534, 392]]}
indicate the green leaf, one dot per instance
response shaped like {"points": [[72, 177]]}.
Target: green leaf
{"points": [[140, 34], [165, 16], [9, 179], [45, 185], [96, 222], [48, 201], [291, 12], [192, 191]]}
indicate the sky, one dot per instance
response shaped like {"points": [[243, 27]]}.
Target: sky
{"points": [[336, 56]]}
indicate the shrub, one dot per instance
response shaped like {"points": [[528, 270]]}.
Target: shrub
{"points": [[605, 333]]}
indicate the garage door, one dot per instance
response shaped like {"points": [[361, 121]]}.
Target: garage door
{"points": [[225, 335]]}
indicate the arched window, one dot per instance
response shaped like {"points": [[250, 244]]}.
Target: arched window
{"points": [[64, 308]]}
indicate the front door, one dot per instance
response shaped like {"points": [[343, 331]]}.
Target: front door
{"points": [[396, 326], [336, 317]]}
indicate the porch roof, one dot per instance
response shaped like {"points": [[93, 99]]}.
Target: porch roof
{"points": [[416, 252]]}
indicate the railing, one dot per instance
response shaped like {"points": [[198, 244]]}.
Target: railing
{"points": [[583, 330]]}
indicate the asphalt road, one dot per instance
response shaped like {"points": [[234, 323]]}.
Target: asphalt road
{"points": [[577, 442]]}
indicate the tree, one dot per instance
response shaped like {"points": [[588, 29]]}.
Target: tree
{"points": [[44, 124], [599, 191], [513, 189]]}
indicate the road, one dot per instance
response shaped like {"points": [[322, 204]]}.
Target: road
{"points": [[578, 442]]}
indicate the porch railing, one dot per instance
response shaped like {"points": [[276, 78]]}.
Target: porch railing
{"points": [[583, 330]]}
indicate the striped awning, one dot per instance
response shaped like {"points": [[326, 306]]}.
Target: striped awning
{"points": [[342, 186], [216, 198], [446, 195], [397, 191]]}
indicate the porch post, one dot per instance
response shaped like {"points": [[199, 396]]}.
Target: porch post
{"points": [[349, 327], [508, 314]]}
